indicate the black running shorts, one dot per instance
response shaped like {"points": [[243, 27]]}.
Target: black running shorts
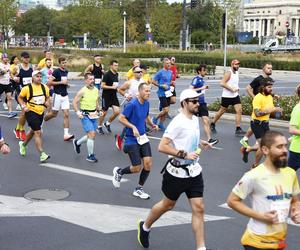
{"points": [[109, 101], [227, 101], [34, 120], [137, 152], [173, 187], [259, 128]]}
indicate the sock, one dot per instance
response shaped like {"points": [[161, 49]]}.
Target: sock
{"points": [[125, 171], [143, 177], [245, 138], [145, 228], [66, 131], [82, 140], [18, 127], [90, 146], [99, 126], [21, 127], [201, 248]]}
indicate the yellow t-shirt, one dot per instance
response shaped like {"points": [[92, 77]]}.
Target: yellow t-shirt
{"points": [[129, 74], [42, 63], [146, 78], [38, 99], [262, 102], [268, 191], [14, 70]]}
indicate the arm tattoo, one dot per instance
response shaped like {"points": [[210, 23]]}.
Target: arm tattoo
{"points": [[259, 113]]}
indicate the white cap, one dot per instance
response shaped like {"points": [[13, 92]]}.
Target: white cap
{"points": [[35, 72], [188, 94]]}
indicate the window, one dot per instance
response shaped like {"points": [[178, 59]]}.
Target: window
{"points": [[279, 23], [280, 12]]}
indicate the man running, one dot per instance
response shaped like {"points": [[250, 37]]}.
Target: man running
{"points": [[263, 106], [42, 63], [182, 173], [97, 69], [198, 84], [109, 85], [5, 85], [272, 188], [253, 90], [59, 81], [24, 78], [162, 80], [37, 99], [175, 75], [129, 90], [294, 130], [88, 96], [135, 116], [129, 74], [230, 96]]}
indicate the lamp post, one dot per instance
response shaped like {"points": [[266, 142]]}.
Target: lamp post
{"points": [[124, 36]]}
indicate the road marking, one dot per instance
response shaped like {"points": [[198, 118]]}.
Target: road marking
{"points": [[225, 205], [80, 171], [104, 218]]}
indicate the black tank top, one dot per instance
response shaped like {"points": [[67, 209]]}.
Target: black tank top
{"points": [[25, 75], [97, 71]]}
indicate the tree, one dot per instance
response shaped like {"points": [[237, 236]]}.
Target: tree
{"points": [[8, 11]]}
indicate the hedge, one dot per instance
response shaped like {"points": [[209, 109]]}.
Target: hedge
{"points": [[287, 103]]}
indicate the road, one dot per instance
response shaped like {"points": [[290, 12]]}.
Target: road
{"points": [[95, 215]]}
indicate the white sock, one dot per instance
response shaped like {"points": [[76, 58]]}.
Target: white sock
{"points": [[82, 140], [66, 131], [146, 229], [201, 248], [245, 138], [90, 146]]}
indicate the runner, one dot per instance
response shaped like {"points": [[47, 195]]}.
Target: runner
{"points": [[162, 80], [14, 72], [24, 78], [137, 145], [145, 75], [198, 84], [97, 69], [230, 96], [109, 85], [182, 173], [4, 147], [131, 86], [129, 74], [294, 130], [59, 81], [88, 114], [175, 75], [263, 106], [5, 85], [273, 189], [37, 99], [42, 63], [253, 90]]}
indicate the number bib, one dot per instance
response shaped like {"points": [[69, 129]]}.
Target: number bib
{"points": [[143, 139], [27, 80], [39, 100], [97, 80], [282, 208], [194, 169], [168, 93]]}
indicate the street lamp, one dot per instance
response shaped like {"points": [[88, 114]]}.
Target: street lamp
{"points": [[124, 37]]}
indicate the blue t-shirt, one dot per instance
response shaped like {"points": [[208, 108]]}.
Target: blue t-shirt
{"points": [[198, 82], [163, 77], [136, 113], [60, 89], [45, 73]]}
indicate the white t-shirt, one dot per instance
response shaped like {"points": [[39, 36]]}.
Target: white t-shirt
{"points": [[185, 135], [4, 79], [233, 82], [133, 87]]}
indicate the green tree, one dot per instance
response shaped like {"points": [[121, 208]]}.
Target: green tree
{"points": [[8, 11]]}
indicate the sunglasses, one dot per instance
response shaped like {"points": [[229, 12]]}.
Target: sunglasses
{"points": [[138, 72], [194, 101]]}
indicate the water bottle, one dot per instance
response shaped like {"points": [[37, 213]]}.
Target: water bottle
{"points": [[277, 114]]}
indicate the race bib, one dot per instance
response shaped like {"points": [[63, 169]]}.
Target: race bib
{"points": [[27, 80], [93, 115], [282, 208], [116, 84], [39, 100], [172, 88], [143, 139], [97, 80], [64, 78], [168, 93], [194, 169]]}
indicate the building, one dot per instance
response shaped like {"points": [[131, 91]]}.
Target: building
{"points": [[271, 17], [52, 4]]}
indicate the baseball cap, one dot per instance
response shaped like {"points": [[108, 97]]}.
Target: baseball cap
{"points": [[144, 66], [188, 94], [4, 55], [25, 54], [235, 61], [35, 72]]}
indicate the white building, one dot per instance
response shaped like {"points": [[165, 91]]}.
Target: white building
{"points": [[271, 17]]}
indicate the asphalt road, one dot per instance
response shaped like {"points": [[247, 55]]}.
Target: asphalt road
{"points": [[95, 215]]}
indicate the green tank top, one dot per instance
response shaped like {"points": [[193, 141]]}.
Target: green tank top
{"points": [[89, 99]]}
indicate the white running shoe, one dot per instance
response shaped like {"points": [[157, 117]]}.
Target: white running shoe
{"points": [[116, 179], [139, 192]]}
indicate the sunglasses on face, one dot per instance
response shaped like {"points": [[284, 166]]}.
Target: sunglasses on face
{"points": [[194, 101], [138, 72]]}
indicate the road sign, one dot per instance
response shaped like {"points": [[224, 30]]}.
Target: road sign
{"points": [[287, 24]]}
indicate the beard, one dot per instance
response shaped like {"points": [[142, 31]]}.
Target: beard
{"points": [[280, 163], [266, 92]]}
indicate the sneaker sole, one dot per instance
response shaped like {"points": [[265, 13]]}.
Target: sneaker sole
{"points": [[136, 195], [214, 143], [45, 159], [91, 161], [70, 138]]}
